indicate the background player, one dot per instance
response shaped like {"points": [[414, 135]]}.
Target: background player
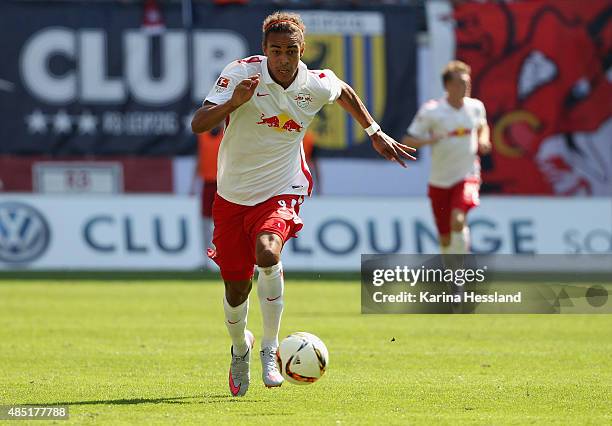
{"points": [[267, 103], [456, 128]]}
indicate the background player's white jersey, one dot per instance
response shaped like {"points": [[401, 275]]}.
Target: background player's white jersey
{"points": [[454, 157], [261, 154]]}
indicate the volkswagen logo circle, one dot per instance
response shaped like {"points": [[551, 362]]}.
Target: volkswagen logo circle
{"points": [[24, 233]]}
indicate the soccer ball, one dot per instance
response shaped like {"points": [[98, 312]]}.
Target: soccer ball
{"points": [[302, 358]]}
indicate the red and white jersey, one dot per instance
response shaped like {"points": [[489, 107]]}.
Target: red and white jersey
{"points": [[455, 156], [261, 155]]}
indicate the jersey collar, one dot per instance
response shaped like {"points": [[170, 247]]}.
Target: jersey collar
{"points": [[298, 83], [444, 102]]}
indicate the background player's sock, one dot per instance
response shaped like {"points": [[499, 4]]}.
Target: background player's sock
{"points": [[235, 321], [270, 286], [459, 242], [466, 239]]}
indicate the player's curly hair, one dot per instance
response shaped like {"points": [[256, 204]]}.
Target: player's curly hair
{"points": [[283, 22], [454, 67]]}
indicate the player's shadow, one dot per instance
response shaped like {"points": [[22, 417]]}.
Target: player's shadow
{"points": [[196, 399]]}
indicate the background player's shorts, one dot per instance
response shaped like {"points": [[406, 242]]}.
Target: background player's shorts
{"points": [[237, 227], [209, 190], [463, 196]]}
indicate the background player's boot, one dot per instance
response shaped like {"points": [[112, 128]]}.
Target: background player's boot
{"points": [[269, 368], [239, 373]]}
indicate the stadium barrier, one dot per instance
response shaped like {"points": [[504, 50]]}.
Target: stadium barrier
{"points": [[133, 232]]}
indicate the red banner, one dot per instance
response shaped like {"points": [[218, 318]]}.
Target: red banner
{"points": [[544, 72]]}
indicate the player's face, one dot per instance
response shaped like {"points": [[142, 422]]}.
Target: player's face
{"points": [[284, 51], [459, 86]]}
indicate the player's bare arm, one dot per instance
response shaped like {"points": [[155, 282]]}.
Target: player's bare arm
{"points": [[385, 145], [484, 139], [210, 114]]}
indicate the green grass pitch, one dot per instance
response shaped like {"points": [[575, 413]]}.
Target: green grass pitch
{"points": [[156, 352]]}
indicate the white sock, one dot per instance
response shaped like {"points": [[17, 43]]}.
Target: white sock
{"points": [[458, 243], [235, 321], [466, 238], [270, 287]]}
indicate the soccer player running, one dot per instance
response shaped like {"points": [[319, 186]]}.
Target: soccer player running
{"points": [[456, 128], [267, 103]]}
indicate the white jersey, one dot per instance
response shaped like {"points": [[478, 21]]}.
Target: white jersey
{"points": [[261, 154], [455, 156]]}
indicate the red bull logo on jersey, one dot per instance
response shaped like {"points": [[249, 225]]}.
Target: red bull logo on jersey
{"points": [[269, 121], [460, 131], [292, 126], [281, 123]]}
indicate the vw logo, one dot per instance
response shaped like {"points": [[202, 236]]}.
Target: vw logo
{"points": [[24, 233]]}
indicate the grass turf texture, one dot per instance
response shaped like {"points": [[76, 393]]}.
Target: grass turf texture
{"points": [[157, 353]]}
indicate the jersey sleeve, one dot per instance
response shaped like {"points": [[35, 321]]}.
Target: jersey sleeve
{"points": [[482, 114], [421, 124], [224, 87], [331, 85]]}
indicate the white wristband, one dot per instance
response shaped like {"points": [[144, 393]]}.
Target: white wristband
{"points": [[374, 127]]}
